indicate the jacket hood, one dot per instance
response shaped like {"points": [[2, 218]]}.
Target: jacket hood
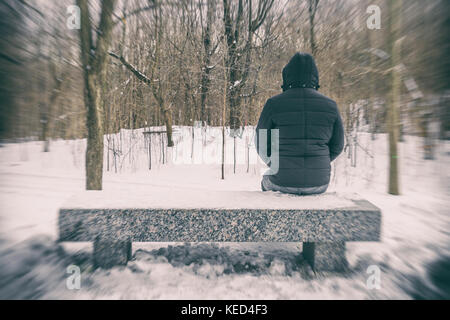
{"points": [[300, 72]]}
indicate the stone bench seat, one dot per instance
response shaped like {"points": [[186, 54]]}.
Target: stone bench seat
{"points": [[323, 223]]}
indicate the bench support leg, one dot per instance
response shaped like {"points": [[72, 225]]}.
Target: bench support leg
{"points": [[110, 253], [325, 256]]}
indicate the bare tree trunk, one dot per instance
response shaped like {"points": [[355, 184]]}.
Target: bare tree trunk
{"points": [[394, 42], [158, 92], [206, 69], [224, 113], [51, 106], [94, 66], [94, 151], [168, 121], [239, 50], [234, 154], [372, 87], [45, 109], [312, 9]]}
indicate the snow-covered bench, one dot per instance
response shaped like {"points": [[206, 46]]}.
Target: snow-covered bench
{"points": [[113, 220]]}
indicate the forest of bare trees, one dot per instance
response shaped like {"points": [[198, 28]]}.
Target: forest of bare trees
{"points": [[143, 63]]}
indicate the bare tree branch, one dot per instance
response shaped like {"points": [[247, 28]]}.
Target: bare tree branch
{"points": [[142, 77]]}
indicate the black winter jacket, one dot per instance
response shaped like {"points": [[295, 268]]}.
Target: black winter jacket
{"points": [[310, 127]]}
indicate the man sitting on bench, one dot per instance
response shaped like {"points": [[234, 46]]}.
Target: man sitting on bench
{"points": [[310, 131]]}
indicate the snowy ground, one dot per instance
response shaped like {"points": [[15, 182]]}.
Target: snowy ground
{"points": [[412, 256]]}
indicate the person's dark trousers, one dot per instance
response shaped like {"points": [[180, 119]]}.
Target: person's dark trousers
{"points": [[267, 185]]}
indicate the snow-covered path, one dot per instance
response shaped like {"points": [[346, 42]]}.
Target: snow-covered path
{"points": [[33, 185]]}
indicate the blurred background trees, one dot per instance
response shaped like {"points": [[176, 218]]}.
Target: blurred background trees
{"points": [[181, 46]]}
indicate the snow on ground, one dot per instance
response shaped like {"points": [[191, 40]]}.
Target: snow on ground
{"points": [[34, 185]]}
